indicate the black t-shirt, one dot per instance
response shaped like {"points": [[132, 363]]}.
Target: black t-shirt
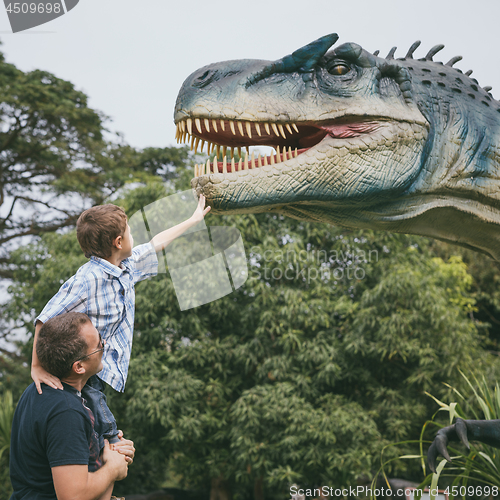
{"points": [[49, 429]]}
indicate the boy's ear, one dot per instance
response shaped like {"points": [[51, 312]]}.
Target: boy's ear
{"points": [[117, 242]]}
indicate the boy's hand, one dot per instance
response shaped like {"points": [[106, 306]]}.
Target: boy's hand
{"points": [[39, 375], [125, 447], [201, 211]]}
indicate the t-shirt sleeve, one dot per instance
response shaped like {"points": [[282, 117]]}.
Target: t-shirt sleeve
{"points": [[71, 297], [144, 262], [68, 437]]}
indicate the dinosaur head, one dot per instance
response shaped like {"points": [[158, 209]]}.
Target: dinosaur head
{"points": [[360, 141]]}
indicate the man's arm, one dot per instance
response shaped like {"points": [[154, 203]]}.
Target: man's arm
{"points": [[161, 240], [38, 374], [75, 482]]}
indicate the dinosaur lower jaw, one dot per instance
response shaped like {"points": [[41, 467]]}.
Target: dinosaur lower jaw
{"points": [[289, 140]]}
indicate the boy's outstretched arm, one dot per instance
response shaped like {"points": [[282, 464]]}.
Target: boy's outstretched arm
{"points": [[161, 240], [38, 374]]}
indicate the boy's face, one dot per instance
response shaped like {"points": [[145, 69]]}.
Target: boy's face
{"points": [[127, 243]]}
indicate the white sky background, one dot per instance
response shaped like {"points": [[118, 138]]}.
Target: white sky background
{"points": [[132, 56]]}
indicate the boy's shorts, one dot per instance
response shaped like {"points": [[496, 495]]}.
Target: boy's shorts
{"points": [[105, 423]]}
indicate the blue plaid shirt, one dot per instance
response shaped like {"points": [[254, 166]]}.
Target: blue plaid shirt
{"points": [[106, 294]]}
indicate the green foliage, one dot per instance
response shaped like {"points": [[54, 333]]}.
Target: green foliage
{"points": [[302, 375], [6, 415], [481, 465]]}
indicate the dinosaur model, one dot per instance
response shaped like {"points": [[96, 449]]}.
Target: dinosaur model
{"points": [[403, 145]]}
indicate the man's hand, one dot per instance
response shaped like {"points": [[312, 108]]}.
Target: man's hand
{"points": [[125, 447], [39, 375], [201, 211], [116, 461]]}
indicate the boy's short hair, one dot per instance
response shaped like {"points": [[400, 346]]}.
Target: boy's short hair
{"points": [[97, 228], [60, 344]]}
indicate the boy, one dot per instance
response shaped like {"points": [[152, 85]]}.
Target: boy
{"points": [[103, 288]]}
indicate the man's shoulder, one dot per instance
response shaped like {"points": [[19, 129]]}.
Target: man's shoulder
{"points": [[51, 401]]}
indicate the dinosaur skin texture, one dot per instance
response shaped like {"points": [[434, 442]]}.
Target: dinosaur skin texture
{"points": [[403, 145]]}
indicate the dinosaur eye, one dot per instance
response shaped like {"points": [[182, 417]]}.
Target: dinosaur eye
{"points": [[339, 69]]}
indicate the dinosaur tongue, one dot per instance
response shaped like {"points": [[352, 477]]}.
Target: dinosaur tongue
{"points": [[342, 130]]}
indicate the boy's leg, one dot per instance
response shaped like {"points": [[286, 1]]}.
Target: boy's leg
{"points": [[105, 423]]}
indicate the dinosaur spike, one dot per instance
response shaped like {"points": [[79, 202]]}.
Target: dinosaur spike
{"points": [[376, 53], [468, 73], [305, 58], [433, 52], [487, 88], [453, 60], [302, 60], [413, 48], [391, 53]]}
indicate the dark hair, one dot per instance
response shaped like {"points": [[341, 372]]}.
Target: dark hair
{"points": [[60, 344], [97, 228]]}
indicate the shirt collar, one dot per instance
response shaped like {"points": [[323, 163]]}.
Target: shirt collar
{"points": [[70, 388], [107, 266]]}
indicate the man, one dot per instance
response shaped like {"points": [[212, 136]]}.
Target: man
{"points": [[54, 448]]}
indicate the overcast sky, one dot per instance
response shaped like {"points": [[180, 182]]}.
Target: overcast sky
{"points": [[131, 56]]}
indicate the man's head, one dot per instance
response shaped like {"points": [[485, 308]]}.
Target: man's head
{"points": [[98, 228], [70, 346]]}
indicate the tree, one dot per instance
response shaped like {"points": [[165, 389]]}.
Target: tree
{"points": [[54, 162]]}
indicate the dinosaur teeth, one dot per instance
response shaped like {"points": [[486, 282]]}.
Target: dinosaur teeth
{"points": [[191, 131], [203, 125], [229, 165]]}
